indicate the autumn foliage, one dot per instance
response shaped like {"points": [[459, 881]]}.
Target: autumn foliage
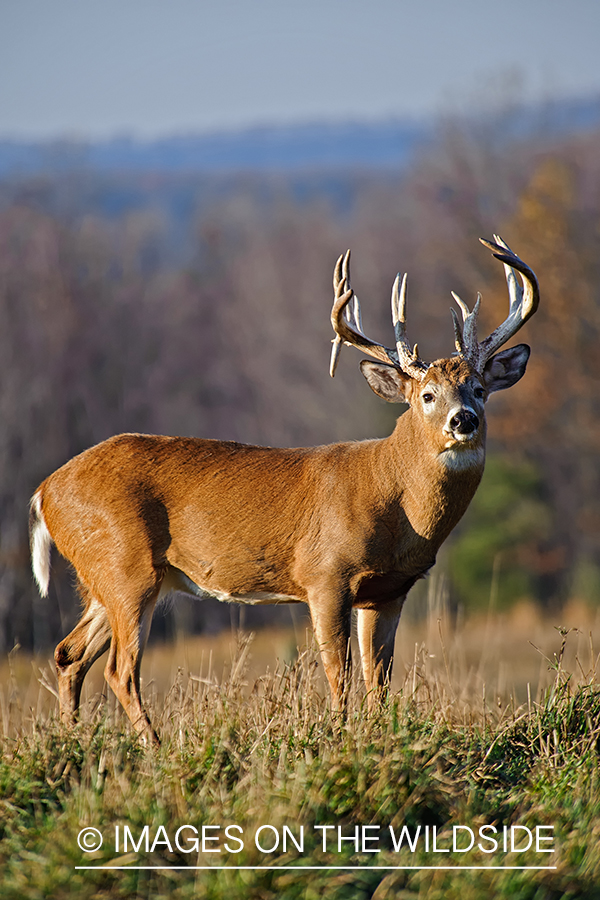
{"points": [[217, 325]]}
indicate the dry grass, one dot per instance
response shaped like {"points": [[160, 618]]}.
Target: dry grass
{"points": [[485, 661], [248, 739]]}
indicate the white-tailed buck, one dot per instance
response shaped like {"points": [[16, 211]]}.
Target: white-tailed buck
{"points": [[339, 527]]}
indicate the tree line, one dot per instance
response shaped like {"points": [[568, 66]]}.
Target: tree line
{"points": [[107, 326]]}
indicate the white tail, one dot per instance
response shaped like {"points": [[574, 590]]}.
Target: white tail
{"points": [[41, 543], [340, 527]]}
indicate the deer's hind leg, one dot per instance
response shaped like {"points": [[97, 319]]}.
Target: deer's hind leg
{"points": [[124, 627], [130, 620], [76, 653]]}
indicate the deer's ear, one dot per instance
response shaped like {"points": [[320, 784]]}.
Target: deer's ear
{"points": [[387, 382], [506, 368]]}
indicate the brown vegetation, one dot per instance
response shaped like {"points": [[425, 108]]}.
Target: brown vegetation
{"points": [[103, 329]]}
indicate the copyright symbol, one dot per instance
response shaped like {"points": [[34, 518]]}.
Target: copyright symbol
{"points": [[89, 839]]}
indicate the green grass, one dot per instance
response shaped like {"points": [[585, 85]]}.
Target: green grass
{"points": [[271, 754]]}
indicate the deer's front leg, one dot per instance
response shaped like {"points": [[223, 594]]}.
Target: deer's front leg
{"points": [[376, 636], [331, 613]]}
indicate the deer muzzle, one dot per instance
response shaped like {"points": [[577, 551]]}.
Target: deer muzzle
{"points": [[462, 424]]}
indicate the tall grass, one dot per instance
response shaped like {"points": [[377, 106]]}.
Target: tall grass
{"points": [[239, 748]]}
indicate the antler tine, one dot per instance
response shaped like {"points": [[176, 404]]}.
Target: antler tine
{"points": [[463, 306], [465, 335], [399, 315], [514, 291], [408, 357], [524, 300], [346, 320], [458, 331]]}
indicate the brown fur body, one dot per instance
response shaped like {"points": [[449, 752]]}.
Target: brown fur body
{"points": [[338, 526]]}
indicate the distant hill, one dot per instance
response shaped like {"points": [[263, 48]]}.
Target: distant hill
{"points": [[284, 148], [353, 145]]}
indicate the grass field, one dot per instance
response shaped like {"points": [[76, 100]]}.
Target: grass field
{"points": [[483, 733]]}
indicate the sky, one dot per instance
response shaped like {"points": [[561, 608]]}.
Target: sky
{"points": [[148, 68]]}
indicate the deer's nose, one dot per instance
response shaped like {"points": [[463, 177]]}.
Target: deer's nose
{"points": [[464, 422]]}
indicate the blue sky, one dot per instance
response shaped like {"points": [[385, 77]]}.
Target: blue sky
{"points": [[96, 68]]}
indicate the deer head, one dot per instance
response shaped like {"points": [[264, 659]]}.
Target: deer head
{"points": [[446, 396]]}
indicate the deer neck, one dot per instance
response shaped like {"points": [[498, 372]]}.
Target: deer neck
{"points": [[436, 484]]}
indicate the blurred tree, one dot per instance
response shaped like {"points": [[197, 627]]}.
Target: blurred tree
{"points": [[494, 556], [553, 415], [107, 325]]}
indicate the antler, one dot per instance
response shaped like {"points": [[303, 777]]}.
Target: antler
{"points": [[347, 324], [524, 302], [408, 359]]}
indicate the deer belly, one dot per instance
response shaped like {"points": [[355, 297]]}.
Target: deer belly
{"points": [[373, 589], [176, 580]]}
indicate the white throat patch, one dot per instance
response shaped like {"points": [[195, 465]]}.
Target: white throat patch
{"points": [[460, 458]]}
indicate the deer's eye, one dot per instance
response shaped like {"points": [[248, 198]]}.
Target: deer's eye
{"points": [[479, 392], [428, 398]]}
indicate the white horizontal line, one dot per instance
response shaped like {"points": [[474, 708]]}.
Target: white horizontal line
{"points": [[299, 868]]}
